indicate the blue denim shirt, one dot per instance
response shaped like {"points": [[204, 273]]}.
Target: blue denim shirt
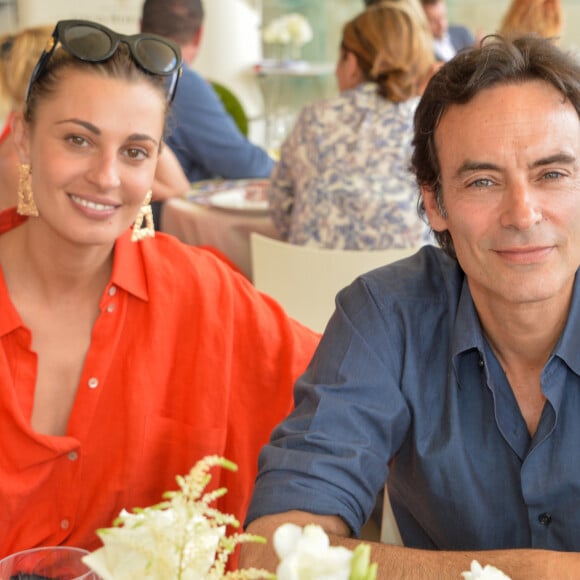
{"points": [[405, 386]]}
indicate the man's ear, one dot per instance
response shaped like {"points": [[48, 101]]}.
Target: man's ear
{"points": [[438, 222], [20, 131]]}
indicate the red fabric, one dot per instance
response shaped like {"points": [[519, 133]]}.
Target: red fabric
{"points": [[187, 359]]}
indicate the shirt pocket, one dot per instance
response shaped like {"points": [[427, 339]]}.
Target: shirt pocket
{"points": [[170, 447]]}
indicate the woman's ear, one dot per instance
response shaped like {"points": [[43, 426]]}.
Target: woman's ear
{"points": [[353, 71], [20, 131], [433, 209]]}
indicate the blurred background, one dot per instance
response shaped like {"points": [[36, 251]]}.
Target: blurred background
{"points": [[233, 48]]}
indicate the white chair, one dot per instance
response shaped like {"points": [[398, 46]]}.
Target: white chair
{"points": [[305, 280]]}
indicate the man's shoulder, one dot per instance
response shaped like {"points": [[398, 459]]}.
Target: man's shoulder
{"points": [[428, 276]]}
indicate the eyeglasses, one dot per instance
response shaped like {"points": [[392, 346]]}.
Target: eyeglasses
{"points": [[93, 42]]}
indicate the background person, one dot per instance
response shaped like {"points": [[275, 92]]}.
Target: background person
{"points": [[18, 54], [125, 356], [447, 40], [455, 373], [343, 179], [543, 17], [202, 134]]}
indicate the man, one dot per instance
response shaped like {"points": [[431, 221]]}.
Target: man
{"points": [[447, 40], [202, 134], [456, 372]]}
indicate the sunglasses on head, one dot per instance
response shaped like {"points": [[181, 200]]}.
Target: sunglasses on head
{"points": [[93, 42]]}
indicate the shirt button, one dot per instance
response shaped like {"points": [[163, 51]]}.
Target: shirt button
{"points": [[545, 519], [480, 363], [73, 456], [93, 383], [110, 308], [64, 524], [112, 290]]}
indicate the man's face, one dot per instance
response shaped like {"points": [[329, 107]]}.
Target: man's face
{"points": [[510, 178], [437, 18]]}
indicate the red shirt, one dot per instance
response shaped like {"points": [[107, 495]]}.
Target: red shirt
{"points": [[187, 359]]}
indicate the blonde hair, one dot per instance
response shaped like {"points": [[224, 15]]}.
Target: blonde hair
{"points": [[18, 54], [393, 47], [543, 17]]}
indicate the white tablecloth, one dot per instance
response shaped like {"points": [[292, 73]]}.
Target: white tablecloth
{"points": [[226, 230]]}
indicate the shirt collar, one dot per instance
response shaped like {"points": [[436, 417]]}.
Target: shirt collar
{"points": [[567, 347], [468, 336], [128, 266]]}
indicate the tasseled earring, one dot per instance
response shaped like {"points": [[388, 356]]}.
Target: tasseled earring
{"points": [[26, 205], [145, 213]]}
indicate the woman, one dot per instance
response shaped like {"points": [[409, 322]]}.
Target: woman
{"points": [[543, 17], [343, 180], [124, 357], [18, 54]]}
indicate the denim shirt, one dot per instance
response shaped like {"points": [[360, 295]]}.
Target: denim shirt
{"points": [[404, 386]]}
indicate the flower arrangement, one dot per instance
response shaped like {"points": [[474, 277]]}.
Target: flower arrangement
{"points": [[288, 29], [184, 538], [292, 30]]}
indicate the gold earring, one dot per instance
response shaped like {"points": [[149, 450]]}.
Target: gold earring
{"points": [[145, 213], [26, 205]]}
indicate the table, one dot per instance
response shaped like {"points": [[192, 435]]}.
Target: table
{"points": [[225, 230]]}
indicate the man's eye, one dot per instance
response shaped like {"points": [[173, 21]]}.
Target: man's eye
{"points": [[552, 175], [483, 182]]}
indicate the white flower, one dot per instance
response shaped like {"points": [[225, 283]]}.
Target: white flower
{"points": [[288, 29], [487, 573], [182, 538], [306, 554]]}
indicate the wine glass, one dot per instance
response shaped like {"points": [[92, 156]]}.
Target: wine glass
{"points": [[50, 563]]}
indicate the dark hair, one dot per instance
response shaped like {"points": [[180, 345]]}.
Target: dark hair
{"points": [[498, 61], [120, 66], [178, 20]]}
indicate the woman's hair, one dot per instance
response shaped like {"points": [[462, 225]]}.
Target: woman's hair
{"points": [[543, 17], [18, 55], [393, 47], [497, 62], [120, 66]]}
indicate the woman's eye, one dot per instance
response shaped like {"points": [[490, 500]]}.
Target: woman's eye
{"points": [[77, 140], [136, 153]]}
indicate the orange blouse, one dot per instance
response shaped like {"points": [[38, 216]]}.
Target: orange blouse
{"points": [[186, 359]]}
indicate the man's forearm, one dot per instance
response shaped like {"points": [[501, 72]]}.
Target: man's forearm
{"points": [[396, 562]]}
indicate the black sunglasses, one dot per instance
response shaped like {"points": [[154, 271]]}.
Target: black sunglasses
{"points": [[93, 42]]}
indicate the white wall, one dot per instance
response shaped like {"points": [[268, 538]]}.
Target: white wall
{"points": [[121, 15]]}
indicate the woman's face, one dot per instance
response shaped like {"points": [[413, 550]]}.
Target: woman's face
{"points": [[92, 151]]}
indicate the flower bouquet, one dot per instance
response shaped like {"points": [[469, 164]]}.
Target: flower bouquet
{"points": [[292, 30], [184, 538]]}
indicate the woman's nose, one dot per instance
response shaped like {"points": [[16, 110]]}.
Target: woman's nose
{"points": [[104, 172]]}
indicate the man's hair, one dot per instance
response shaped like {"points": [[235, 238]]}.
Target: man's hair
{"points": [[496, 62], [430, 2], [178, 20]]}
